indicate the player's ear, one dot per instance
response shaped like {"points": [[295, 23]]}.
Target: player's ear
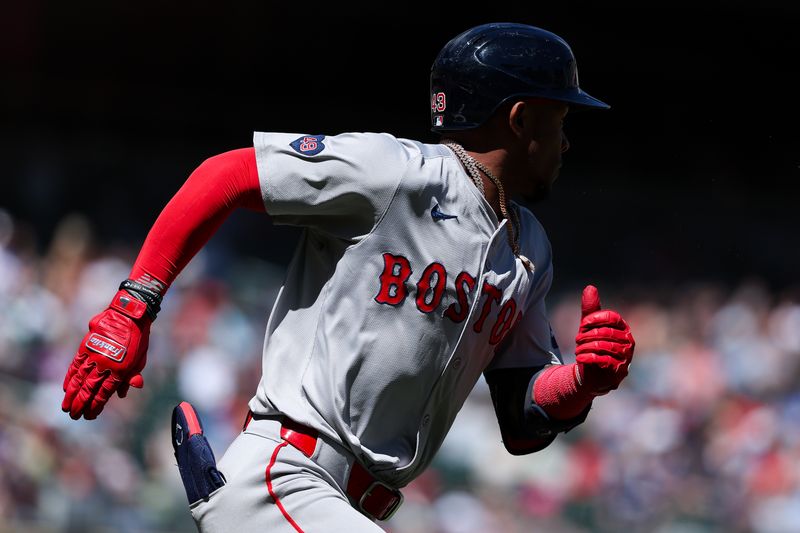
{"points": [[516, 118]]}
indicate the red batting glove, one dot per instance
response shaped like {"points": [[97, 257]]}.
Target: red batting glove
{"points": [[109, 358], [604, 346]]}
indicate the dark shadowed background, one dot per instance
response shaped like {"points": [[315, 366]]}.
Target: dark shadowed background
{"points": [[693, 173], [680, 203]]}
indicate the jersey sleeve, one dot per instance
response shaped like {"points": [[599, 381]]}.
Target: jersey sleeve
{"points": [[340, 185], [532, 344]]}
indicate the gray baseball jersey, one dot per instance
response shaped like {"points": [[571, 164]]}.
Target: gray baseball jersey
{"points": [[402, 291]]}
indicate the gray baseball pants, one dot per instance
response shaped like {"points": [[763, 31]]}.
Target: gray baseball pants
{"points": [[272, 486]]}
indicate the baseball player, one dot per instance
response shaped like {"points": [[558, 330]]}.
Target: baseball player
{"points": [[415, 275]]}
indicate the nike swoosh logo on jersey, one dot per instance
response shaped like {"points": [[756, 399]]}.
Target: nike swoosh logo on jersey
{"points": [[436, 214]]}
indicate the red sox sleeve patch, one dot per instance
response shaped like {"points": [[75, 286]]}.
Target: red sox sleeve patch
{"points": [[105, 346], [308, 144]]}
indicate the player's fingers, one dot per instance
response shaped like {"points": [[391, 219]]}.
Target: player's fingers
{"points": [[68, 377], [82, 401], [605, 334], [604, 318], [594, 363], [137, 381], [74, 385], [603, 379], [104, 392], [590, 300], [76, 363], [612, 349]]}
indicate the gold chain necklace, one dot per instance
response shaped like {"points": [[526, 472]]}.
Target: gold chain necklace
{"points": [[472, 166]]}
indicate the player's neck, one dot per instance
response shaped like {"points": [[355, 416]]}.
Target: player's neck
{"points": [[493, 159]]}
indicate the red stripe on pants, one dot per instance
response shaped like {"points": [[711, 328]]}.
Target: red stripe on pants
{"points": [[272, 492]]}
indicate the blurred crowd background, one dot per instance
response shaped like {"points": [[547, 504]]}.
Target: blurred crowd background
{"points": [[680, 204], [703, 436]]}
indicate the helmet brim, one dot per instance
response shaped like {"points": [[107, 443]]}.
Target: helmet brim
{"points": [[582, 100]]}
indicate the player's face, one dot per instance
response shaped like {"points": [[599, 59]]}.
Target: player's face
{"points": [[543, 141]]}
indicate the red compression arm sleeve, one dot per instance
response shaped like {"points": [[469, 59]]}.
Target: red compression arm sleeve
{"points": [[556, 391], [218, 186]]}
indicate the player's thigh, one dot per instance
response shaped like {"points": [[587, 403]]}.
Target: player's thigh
{"points": [[303, 499], [309, 504]]}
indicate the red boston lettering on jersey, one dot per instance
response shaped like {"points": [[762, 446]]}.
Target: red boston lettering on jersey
{"points": [[396, 271], [493, 294], [504, 340], [464, 285], [430, 287], [505, 319]]}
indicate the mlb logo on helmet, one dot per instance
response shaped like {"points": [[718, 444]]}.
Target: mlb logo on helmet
{"points": [[308, 144], [438, 120]]}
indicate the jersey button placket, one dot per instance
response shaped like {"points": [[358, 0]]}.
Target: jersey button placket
{"points": [[495, 248]]}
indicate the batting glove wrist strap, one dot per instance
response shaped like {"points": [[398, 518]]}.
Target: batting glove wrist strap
{"points": [[540, 425], [144, 294]]}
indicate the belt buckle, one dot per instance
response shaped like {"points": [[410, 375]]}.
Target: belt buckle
{"points": [[398, 499]]}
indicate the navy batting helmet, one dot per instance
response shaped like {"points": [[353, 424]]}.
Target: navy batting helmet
{"points": [[485, 66]]}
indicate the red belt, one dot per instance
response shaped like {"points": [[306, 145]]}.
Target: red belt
{"points": [[370, 495]]}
